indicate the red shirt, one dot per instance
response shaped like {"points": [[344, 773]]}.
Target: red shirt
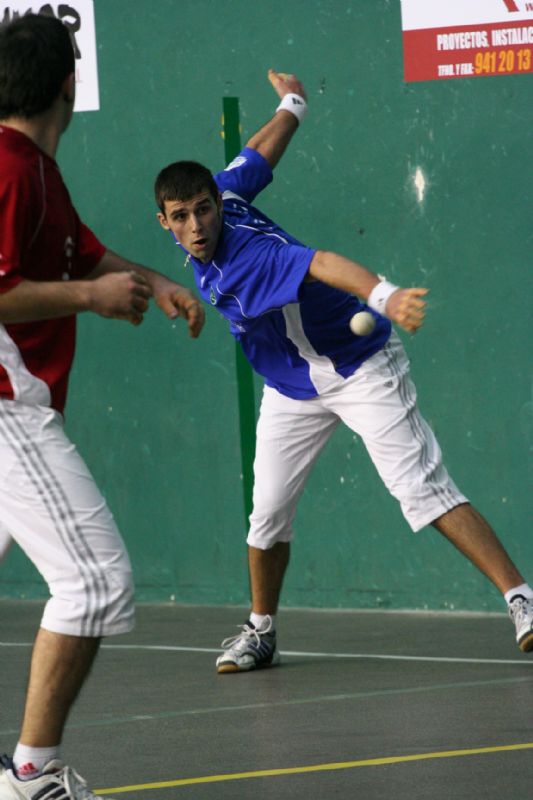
{"points": [[41, 239]]}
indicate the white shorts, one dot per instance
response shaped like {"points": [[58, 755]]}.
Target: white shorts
{"points": [[379, 404], [50, 505]]}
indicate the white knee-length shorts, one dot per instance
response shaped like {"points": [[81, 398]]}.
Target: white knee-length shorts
{"points": [[379, 404], [50, 505]]}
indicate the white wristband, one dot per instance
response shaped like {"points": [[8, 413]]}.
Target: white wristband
{"points": [[295, 104], [377, 299]]}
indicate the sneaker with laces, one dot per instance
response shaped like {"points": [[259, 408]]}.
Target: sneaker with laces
{"points": [[57, 782], [521, 612], [251, 649]]}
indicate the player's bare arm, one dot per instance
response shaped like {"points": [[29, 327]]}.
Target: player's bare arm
{"points": [[405, 307], [272, 139], [121, 296], [173, 299]]}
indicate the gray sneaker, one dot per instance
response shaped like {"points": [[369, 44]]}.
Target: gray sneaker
{"points": [[521, 612], [57, 781], [251, 649]]}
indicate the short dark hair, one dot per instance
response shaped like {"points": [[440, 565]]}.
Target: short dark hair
{"points": [[36, 55], [183, 180]]}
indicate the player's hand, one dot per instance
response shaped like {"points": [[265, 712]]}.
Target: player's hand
{"points": [[178, 301], [120, 295], [284, 83], [191, 309], [407, 309]]}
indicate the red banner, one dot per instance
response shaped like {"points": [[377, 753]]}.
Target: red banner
{"points": [[468, 51]]}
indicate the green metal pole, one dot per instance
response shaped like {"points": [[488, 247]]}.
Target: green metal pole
{"points": [[245, 378]]}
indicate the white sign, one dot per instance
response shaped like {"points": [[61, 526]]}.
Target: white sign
{"points": [[78, 17], [437, 14]]}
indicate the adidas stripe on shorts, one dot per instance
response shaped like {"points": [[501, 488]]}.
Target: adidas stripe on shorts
{"points": [[51, 506]]}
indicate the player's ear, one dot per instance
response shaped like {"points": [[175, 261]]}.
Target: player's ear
{"points": [[68, 88], [219, 203], [163, 221]]}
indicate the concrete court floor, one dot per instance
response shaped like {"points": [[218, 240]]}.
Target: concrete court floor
{"points": [[370, 692]]}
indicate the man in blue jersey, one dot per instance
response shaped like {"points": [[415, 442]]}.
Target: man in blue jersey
{"points": [[290, 308]]}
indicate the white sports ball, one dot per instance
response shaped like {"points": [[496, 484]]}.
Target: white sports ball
{"points": [[362, 323]]}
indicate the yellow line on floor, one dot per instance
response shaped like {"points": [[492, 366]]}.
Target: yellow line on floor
{"points": [[265, 773]]}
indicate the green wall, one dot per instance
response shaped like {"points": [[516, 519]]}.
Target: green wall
{"points": [[155, 414]]}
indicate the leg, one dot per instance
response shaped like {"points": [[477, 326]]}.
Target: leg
{"points": [[290, 436], [465, 528], [472, 535], [49, 501], [382, 409], [267, 569], [59, 667]]}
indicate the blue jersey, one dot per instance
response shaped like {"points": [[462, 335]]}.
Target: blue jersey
{"points": [[295, 334]]}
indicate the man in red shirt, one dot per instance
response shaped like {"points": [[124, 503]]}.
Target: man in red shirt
{"points": [[52, 267]]}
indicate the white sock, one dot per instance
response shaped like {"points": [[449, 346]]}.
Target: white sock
{"points": [[30, 761], [524, 590], [258, 620]]}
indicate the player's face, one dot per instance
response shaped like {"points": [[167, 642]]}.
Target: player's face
{"points": [[195, 223]]}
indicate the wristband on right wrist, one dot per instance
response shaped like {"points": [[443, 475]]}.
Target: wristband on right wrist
{"points": [[294, 103], [377, 299]]}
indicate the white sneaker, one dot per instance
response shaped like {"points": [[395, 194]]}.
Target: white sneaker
{"points": [[250, 649], [58, 782], [521, 612]]}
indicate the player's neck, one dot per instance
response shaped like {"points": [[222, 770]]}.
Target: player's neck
{"points": [[44, 130]]}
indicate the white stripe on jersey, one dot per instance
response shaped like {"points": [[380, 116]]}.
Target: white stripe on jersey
{"points": [[234, 296], [227, 195], [321, 370], [227, 294], [27, 388], [260, 230]]}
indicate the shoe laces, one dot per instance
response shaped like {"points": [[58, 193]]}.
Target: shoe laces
{"points": [[520, 609], [247, 632], [74, 783]]}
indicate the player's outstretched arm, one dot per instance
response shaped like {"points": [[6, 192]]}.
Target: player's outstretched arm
{"points": [[272, 139], [122, 296], [173, 299], [405, 307]]}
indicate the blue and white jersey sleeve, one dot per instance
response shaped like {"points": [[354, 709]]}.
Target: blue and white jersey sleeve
{"points": [[247, 175]]}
